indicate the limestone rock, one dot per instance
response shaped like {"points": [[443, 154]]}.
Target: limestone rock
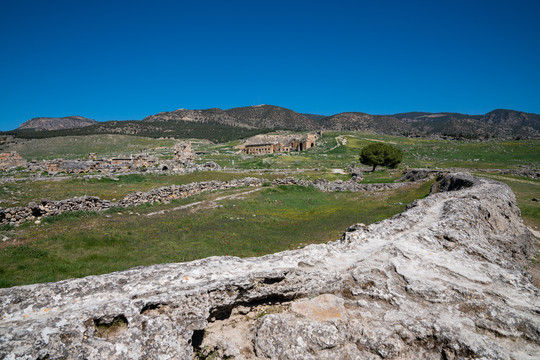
{"points": [[444, 279]]}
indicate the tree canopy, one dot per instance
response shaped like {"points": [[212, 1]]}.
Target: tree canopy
{"points": [[380, 154]]}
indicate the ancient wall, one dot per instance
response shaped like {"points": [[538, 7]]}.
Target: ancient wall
{"points": [[183, 156], [20, 214], [183, 153], [269, 144], [11, 160], [442, 280]]}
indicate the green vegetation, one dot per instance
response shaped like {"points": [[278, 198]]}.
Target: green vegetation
{"points": [[20, 193], [417, 152], [78, 147], [270, 220], [212, 131], [380, 154]]}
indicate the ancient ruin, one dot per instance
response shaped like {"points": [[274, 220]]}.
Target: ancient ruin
{"points": [[32, 211], [183, 156], [442, 280], [269, 144], [11, 160]]}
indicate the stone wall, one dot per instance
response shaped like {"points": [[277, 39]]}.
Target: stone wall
{"points": [[442, 280], [338, 185], [11, 160], [32, 211]]}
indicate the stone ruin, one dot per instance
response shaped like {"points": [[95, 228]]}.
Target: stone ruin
{"points": [[269, 144], [183, 156], [183, 153], [17, 215], [445, 279], [10, 160]]}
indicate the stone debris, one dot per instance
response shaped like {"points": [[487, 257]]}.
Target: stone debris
{"points": [[182, 158], [442, 280], [33, 211], [338, 185], [417, 174], [45, 208], [11, 160]]}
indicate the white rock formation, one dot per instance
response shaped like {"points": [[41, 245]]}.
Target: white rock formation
{"points": [[444, 280]]}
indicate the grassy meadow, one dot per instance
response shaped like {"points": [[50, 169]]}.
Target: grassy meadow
{"points": [[270, 220], [265, 221]]}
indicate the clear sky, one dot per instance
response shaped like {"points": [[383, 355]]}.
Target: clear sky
{"points": [[114, 60]]}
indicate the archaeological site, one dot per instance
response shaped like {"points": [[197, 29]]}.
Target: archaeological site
{"points": [[279, 245], [442, 280]]}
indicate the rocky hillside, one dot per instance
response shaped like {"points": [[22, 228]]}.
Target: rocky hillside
{"points": [[50, 123], [502, 124], [443, 280], [498, 123], [260, 116], [357, 121]]}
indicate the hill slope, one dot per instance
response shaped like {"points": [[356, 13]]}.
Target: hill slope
{"points": [[259, 116], [51, 123], [218, 124]]}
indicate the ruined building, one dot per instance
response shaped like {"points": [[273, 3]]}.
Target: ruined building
{"points": [[183, 153], [11, 160], [278, 144], [122, 164]]}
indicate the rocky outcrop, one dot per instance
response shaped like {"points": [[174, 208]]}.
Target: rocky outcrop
{"points": [[417, 174], [444, 280]]}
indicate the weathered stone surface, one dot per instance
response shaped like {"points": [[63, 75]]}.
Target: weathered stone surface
{"points": [[417, 174], [444, 280]]}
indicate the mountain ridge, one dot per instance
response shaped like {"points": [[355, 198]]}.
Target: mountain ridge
{"points": [[498, 123], [56, 123]]}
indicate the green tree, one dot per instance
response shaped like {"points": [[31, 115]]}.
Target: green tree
{"points": [[381, 154]]}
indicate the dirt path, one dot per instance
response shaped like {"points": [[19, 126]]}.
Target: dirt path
{"points": [[340, 140], [205, 204]]}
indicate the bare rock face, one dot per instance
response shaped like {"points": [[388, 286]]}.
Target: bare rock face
{"points": [[444, 279], [50, 123]]}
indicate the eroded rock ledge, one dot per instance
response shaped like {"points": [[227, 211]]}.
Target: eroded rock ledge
{"points": [[444, 279]]}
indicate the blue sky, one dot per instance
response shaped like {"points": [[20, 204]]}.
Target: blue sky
{"points": [[113, 60]]}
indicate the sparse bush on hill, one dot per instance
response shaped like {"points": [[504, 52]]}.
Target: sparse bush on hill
{"points": [[381, 154]]}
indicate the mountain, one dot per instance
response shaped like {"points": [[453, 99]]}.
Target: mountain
{"points": [[314, 116], [498, 123], [357, 121], [258, 116], [50, 123], [512, 118], [218, 124]]}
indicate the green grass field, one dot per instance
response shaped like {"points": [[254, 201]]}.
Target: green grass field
{"points": [[77, 147], [266, 221], [20, 193], [418, 152], [271, 220]]}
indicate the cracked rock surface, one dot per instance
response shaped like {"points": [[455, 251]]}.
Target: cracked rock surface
{"points": [[442, 280]]}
